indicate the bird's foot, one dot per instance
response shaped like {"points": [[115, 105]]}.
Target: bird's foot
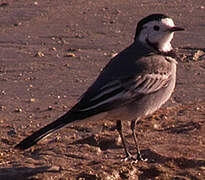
{"points": [[140, 158], [134, 158]]}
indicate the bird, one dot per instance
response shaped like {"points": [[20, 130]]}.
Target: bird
{"points": [[134, 84]]}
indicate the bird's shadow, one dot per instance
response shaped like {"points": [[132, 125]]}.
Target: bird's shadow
{"points": [[155, 158], [148, 172], [181, 162], [23, 173], [183, 128]]}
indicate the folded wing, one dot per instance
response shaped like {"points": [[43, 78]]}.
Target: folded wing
{"points": [[122, 91]]}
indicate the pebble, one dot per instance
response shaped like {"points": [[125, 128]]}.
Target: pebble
{"points": [[18, 24], [32, 100], [198, 54], [69, 54], [54, 168], [18, 110], [50, 108], [2, 108], [67, 65], [3, 92], [156, 126], [54, 49], [39, 54]]}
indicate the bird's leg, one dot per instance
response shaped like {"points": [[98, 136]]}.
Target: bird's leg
{"points": [[139, 156], [119, 129]]}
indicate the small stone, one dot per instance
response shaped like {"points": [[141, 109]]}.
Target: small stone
{"points": [[3, 92], [98, 150], [39, 54], [30, 116], [18, 110], [67, 65], [18, 24], [2, 108], [69, 54], [54, 168], [198, 108], [156, 126], [35, 3], [198, 54], [32, 100], [65, 107], [118, 141], [202, 168], [50, 108], [54, 49]]}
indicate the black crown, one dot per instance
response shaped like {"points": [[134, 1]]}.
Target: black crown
{"points": [[152, 17]]}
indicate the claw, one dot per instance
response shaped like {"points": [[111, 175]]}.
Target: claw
{"points": [[134, 158], [130, 158], [140, 158]]}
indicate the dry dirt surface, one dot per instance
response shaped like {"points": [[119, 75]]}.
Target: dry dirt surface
{"points": [[52, 50]]}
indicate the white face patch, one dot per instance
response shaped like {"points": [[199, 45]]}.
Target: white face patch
{"points": [[168, 21], [160, 38]]}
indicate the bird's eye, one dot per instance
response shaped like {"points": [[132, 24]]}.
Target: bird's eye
{"points": [[156, 28]]}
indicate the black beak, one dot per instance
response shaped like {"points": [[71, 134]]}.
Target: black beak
{"points": [[173, 29]]}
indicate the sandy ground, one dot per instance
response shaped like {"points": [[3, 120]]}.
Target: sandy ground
{"points": [[51, 51]]}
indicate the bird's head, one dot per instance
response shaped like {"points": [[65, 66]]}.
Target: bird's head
{"points": [[156, 31]]}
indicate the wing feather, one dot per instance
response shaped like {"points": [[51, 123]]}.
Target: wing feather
{"points": [[124, 90]]}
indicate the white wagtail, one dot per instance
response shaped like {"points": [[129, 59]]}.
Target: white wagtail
{"points": [[134, 84]]}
